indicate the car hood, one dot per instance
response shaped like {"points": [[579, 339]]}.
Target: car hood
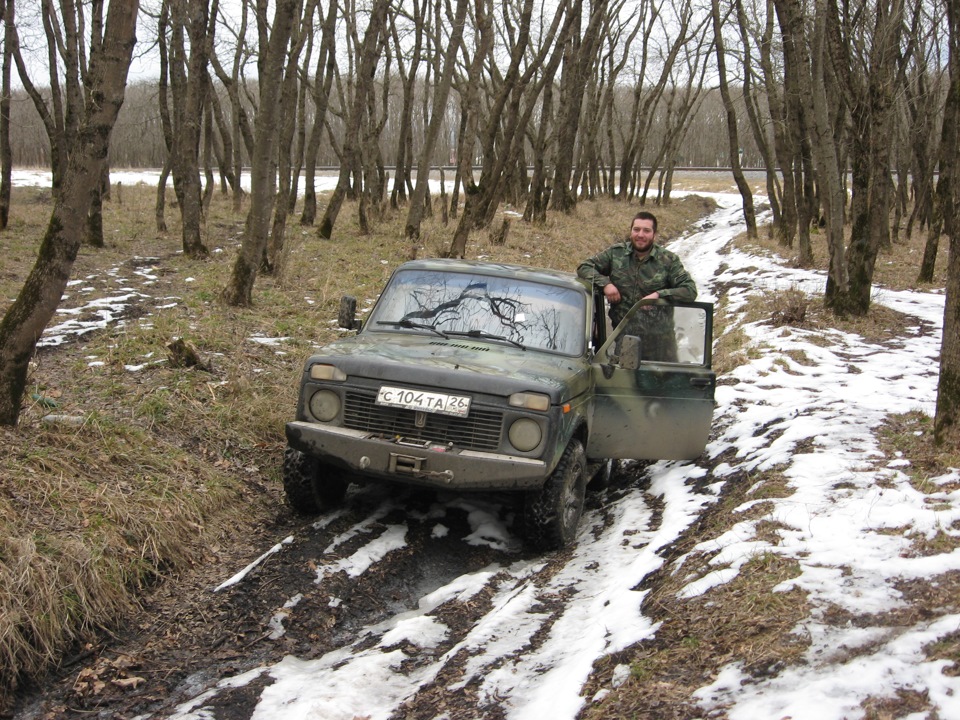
{"points": [[465, 364]]}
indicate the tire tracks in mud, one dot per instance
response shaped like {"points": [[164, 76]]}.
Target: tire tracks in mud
{"points": [[343, 593], [492, 610]]}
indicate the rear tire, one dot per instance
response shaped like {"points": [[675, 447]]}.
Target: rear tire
{"points": [[552, 514], [311, 486]]}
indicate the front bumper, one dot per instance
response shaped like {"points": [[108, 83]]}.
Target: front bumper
{"points": [[429, 464]]}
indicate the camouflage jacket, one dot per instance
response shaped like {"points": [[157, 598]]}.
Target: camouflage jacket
{"points": [[661, 271]]}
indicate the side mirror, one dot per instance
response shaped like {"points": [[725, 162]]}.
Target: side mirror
{"points": [[347, 317], [630, 352]]}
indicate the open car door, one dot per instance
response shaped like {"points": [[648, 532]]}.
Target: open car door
{"points": [[653, 384]]}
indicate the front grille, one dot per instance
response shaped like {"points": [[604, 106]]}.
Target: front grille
{"points": [[479, 431]]}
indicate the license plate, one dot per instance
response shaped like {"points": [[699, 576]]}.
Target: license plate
{"points": [[458, 405]]}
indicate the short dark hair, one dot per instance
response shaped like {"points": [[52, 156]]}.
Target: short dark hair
{"points": [[645, 215]]}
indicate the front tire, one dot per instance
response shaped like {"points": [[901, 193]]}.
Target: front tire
{"points": [[310, 485], [552, 514]]}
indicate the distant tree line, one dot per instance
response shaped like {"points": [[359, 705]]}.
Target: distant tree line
{"points": [[138, 142], [849, 108]]}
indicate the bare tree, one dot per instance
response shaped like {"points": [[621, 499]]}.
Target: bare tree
{"points": [[320, 93], [785, 151], [733, 137], [184, 58], [288, 99], [947, 418], [538, 198], [59, 125], [754, 113], [370, 49], [239, 290], [105, 76], [869, 62], [440, 95], [369, 156], [621, 24], [510, 107], [579, 59], [808, 129], [6, 155], [225, 151], [619, 37], [679, 108], [407, 67], [232, 82], [923, 93], [678, 31]]}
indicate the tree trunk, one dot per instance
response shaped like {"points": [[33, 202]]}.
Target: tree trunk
{"points": [[239, 290], [37, 301], [947, 418], [927, 209], [579, 59], [811, 136], [876, 107], [369, 56], [189, 19], [162, 196], [289, 96], [6, 155], [536, 208], [441, 93], [225, 159], [320, 92], [375, 178], [754, 116], [94, 234], [733, 137], [785, 230], [208, 153], [240, 126], [408, 79], [832, 194]]}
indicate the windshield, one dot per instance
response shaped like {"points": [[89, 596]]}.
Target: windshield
{"points": [[532, 315]]}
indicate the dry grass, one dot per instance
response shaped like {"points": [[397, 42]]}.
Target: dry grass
{"points": [[910, 435], [742, 620], [897, 267], [793, 308]]}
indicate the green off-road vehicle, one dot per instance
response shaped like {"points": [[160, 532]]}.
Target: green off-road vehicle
{"points": [[483, 376]]}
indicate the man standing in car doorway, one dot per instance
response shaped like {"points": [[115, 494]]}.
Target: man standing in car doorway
{"points": [[640, 269]]}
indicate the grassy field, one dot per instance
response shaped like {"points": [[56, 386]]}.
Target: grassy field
{"points": [[159, 468]]}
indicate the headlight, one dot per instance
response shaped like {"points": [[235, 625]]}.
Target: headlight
{"points": [[325, 405], [327, 372], [525, 434], [530, 401]]}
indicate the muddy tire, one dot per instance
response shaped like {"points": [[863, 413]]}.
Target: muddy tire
{"points": [[552, 514], [311, 486]]}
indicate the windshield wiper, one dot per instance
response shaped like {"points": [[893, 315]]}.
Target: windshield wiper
{"points": [[483, 334], [404, 323]]}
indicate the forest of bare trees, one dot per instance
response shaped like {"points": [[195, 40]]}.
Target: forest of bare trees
{"points": [[848, 108]]}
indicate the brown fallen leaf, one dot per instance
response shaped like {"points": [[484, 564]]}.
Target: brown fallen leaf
{"points": [[130, 682]]}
